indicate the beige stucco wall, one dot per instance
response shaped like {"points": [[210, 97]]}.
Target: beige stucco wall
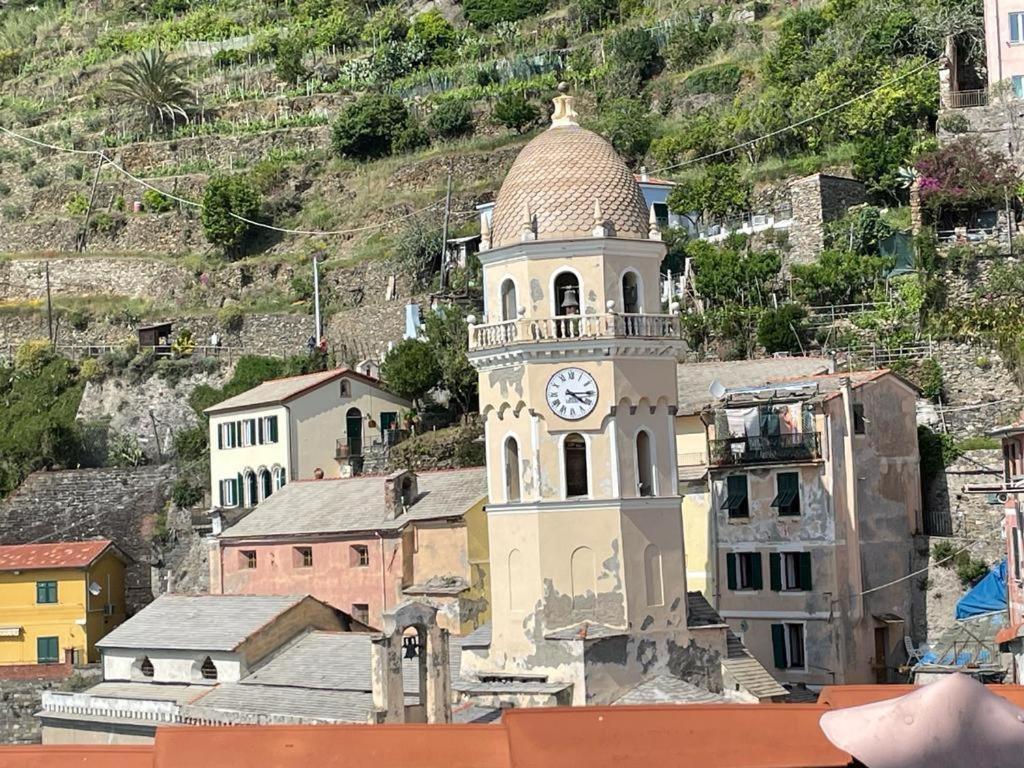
{"points": [[226, 463], [697, 535], [319, 420]]}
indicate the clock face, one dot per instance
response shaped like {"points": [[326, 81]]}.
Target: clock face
{"points": [[572, 393]]}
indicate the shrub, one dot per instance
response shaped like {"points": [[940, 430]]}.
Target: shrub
{"points": [[514, 110], [39, 178], [968, 569], [124, 451], [931, 379], [418, 250], [433, 32], [633, 54], [451, 119], [593, 14], [32, 356], [90, 369], [954, 122], [369, 127], [724, 78], [411, 138], [106, 223], [186, 494], [79, 319], [942, 550], [77, 204], [782, 329], [720, 190], [190, 445], [628, 125], [231, 318], [487, 13], [155, 202], [388, 23], [288, 58], [224, 200]]}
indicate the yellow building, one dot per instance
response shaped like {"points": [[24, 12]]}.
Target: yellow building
{"points": [[58, 597]]}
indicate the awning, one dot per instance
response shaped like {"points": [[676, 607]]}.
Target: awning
{"points": [[10, 631], [889, 618]]}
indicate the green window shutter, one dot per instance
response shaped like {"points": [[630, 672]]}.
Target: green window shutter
{"points": [[46, 650], [775, 566], [730, 567], [273, 429], [220, 436], [259, 431], [756, 578], [805, 571], [220, 487], [779, 646]]}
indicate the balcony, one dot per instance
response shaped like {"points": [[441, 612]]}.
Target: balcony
{"points": [[568, 327], [966, 99], [764, 449]]}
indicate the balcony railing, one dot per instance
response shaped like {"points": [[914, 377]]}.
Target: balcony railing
{"points": [[605, 326], [799, 446], [966, 99]]}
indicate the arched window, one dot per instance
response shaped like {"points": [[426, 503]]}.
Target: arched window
{"points": [[653, 579], [146, 667], [208, 670], [567, 297], [511, 470], [644, 464], [354, 431], [251, 489], [266, 484], [407, 494], [509, 303], [584, 579], [280, 478], [517, 599], [575, 460], [631, 293]]}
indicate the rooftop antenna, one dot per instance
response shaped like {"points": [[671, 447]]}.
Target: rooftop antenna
{"points": [[717, 390]]}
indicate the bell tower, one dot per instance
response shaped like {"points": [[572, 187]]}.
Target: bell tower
{"points": [[577, 365]]}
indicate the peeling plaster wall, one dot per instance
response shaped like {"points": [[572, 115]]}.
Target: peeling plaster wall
{"points": [[697, 537]]}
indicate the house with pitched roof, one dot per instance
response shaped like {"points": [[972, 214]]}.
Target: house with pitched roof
{"points": [[801, 496], [364, 544], [57, 600], [325, 424]]}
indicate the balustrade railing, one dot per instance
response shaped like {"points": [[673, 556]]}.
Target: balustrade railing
{"points": [[610, 325], [752, 449]]}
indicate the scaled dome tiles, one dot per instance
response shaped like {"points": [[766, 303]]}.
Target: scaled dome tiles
{"points": [[557, 178]]}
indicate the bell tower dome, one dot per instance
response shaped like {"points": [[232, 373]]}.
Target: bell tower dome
{"points": [[577, 364]]}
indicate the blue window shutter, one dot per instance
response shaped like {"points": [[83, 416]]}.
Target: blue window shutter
{"points": [[779, 646], [756, 578]]}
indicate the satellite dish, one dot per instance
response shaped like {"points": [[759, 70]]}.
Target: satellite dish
{"points": [[717, 390], [95, 589]]}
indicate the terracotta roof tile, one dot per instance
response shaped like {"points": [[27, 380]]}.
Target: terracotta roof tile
{"points": [[62, 554]]}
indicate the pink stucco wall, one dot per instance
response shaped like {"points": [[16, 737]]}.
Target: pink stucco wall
{"points": [[333, 577], [1004, 59], [1014, 446]]}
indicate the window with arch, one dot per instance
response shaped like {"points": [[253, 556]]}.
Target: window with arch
{"points": [[574, 450], [266, 483], [644, 464], [251, 489], [280, 478], [653, 578], [509, 302], [567, 294], [631, 304], [144, 668], [584, 579], [345, 388], [208, 670], [512, 470]]}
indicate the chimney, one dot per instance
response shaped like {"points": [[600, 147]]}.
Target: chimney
{"points": [[400, 491]]}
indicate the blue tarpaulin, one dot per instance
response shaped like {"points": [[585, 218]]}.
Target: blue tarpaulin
{"points": [[986, 596]]}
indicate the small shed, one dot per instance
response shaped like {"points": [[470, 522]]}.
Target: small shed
{"points": [[156, 337]]}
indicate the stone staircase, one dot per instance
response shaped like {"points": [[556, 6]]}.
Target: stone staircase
{"points": [[118, 504]]}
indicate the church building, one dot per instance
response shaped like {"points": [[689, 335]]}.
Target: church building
{"points": [[577, 364]]}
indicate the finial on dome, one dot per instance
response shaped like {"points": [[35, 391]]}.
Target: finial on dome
{"points": [[527, 232], [485, 232], [599, 230], [564, 113], [653, 231]]}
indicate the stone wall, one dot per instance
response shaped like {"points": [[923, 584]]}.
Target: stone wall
{"points": [[21, 699], [817, 200], [122, 505], [991, 125], [25, 279], [979, 391]]}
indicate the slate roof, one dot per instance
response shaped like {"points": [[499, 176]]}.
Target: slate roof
{"points": [[694, 379], [478, 638], [199, 622], [148, 691], [585, 631], [292, 702], [282, 390], [739, 662], [357, 504], [664, 689], [62, 554]]}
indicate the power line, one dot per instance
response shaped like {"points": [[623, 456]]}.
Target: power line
{"points": [[799, 123], [195, 204]]}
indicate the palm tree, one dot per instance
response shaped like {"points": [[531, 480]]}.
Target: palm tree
{"points": [[154, 86]]}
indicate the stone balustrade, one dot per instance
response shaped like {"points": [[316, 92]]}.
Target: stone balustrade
{"points": [[568, 327]]}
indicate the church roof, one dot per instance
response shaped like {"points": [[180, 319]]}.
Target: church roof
{"points": [[556, 181]]}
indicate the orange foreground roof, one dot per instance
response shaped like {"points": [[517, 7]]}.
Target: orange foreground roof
{"points": [[77, 756], [842, 696], [62, 554]]}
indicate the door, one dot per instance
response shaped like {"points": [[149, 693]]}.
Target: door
{"points": [[388, 427], [881, 643], [354, 431]]}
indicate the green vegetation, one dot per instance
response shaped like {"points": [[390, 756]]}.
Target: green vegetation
{"points": [[227, 201], [370, 127], [155, 87], [411, 370]]}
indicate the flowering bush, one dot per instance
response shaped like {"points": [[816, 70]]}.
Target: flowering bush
{"points": [[962, 174]]}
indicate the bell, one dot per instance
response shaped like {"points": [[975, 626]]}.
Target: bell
{"points": [[570, 304], [411, 650]]}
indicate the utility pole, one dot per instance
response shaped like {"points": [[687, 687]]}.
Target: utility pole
{"points": [[316, 297], [49, 305], [444, 228], [84, 233]]}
